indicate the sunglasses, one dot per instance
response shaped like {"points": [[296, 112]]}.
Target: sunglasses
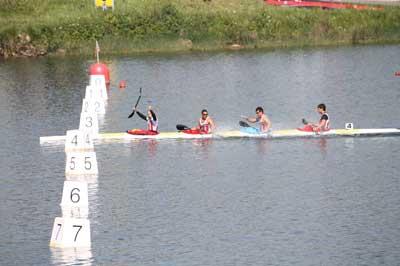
{"points": [[204, 114]]}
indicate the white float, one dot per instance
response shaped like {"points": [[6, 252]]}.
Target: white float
{"points": [[81, 163], [77, 140], [75, 194], [68, 256], [90, 179], [70, 232], [89, 124], [93, 105], [349, 126], [98, 82]]}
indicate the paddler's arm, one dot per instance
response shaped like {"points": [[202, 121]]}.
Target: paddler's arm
{"points": [[142, 116], [267, 122], [321, 125], [251, 119], [212, 124]]}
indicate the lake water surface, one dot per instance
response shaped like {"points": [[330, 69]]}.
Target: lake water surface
{"points": [[209, 202]]}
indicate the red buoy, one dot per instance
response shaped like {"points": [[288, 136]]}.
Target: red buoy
{"points": [[397, 73], [100, 69]]}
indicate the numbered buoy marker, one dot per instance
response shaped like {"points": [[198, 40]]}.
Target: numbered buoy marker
{"points": [[89, 123], [96, 106], [349, 126], [81, 163], [77, 140], [75, 194], [70, 232], [98, 82]]}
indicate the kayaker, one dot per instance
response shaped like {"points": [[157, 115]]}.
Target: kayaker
{"points": [[323, 124], [151, 118], [206, 124], [261, 119]]}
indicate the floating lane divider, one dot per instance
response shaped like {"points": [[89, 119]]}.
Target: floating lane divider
{"points": [[277, 134], [73, 228]]}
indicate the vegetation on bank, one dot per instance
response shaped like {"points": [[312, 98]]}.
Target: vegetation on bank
{"points": [[30, 28]]}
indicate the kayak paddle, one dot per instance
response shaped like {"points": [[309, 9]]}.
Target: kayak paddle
{"points": [[244, 124], [304, 121], [182, 127], [137, 102]]}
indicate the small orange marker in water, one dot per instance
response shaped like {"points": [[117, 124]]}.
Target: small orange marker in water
{"points": [[122, 84]]}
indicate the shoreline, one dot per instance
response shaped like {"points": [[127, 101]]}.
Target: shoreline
{"points": [[157, 26]]}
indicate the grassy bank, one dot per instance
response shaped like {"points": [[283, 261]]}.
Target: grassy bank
{"points": [[175, 25]]}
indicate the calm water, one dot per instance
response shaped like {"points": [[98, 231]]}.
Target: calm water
{"points": [[213, 202]]}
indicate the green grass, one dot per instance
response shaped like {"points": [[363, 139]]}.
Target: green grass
{"points": [[161, 25]]}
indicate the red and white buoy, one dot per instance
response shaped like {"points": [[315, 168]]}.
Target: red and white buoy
{"points": [[99, 68]]}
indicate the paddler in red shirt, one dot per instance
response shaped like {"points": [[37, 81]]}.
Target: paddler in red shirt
{"points": [[206, 124]]}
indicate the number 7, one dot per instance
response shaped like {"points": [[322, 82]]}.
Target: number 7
{"points": [[80, 227]]}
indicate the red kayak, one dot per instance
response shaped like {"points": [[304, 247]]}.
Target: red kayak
{"points": [[136, 131], [308, 128], [194, 131]]}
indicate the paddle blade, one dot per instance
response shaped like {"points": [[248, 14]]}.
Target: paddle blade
{"points": [[182, 127], [304, 121], [133, 112], [243, 124]]}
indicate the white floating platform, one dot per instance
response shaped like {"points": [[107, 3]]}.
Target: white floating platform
{"points": [[277, 134]]}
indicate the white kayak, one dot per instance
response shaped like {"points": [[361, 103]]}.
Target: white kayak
{"points": [[276, 134]]}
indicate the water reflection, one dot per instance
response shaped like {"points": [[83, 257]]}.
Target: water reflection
{"points": [[263, 145], [71, 256]]}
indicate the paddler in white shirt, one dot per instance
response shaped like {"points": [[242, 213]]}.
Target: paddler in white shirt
{"points": [[206, 124], [151, 118], [261, 119]]}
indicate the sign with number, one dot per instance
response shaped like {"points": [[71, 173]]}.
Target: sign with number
{"points": [[89, 123], [96, 106], [70, 232], [77, 140], [98, 82], [75, 194], [349, 126], [81, 163]]}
